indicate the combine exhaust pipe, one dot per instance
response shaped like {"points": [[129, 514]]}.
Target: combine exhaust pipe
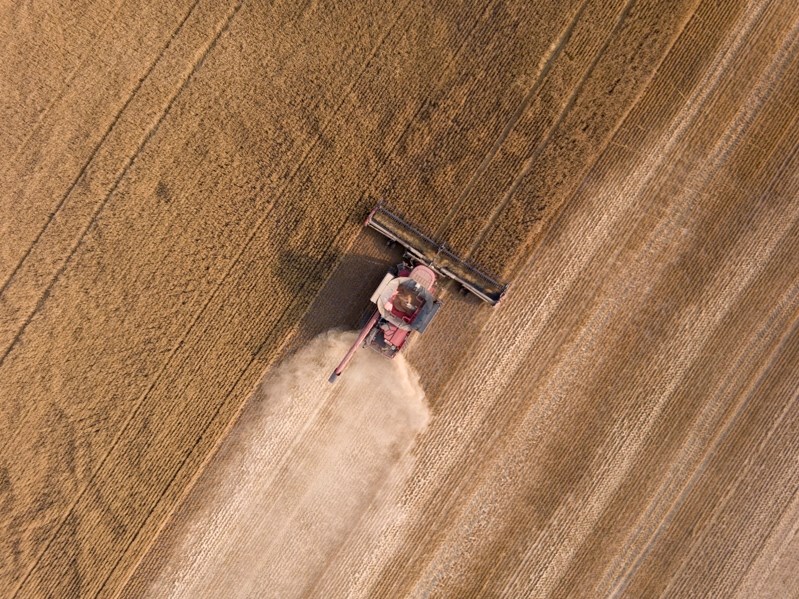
{"points": [[435, 255]]}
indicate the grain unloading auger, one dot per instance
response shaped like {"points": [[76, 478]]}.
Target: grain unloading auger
{"points": [[406, 299]]}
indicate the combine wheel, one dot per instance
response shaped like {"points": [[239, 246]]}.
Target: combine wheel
{"points": [[366, 315]]}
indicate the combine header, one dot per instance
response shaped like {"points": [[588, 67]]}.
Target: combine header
{"points": [[406, 297]]}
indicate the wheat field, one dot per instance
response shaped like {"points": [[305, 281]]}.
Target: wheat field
{"points": [[182, 192]]}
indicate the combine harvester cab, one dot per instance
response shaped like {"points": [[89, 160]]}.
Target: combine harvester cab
{"points": [[405, 301]]}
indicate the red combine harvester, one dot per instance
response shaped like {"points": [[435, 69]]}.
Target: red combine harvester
{"points": [[406, 297]]}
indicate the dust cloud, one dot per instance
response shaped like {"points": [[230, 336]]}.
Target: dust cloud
{"points": [[305, 474]]}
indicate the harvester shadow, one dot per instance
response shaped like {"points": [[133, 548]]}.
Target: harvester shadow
{"points": [[344, 298]]}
